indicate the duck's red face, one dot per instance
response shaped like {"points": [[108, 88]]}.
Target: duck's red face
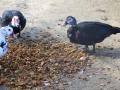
{"points": [[70, 20], [15, 21]]}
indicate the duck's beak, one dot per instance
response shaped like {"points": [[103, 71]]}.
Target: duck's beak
{"points": [[13, 35], [65, 23]]}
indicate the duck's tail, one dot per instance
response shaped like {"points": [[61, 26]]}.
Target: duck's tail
{"points": [[115, 30]]}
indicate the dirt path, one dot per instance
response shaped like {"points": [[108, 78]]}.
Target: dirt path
{"points": [[45, 18]]}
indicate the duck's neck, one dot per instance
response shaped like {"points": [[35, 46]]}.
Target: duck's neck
{"points": [[73, 38], [74, 27], [2, 34]]}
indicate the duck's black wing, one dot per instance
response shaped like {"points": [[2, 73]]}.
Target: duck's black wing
{"points": [[93, 32]]}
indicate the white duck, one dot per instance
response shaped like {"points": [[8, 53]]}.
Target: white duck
{"points": [[5, 32]]}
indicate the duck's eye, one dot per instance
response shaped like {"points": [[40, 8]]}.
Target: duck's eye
{"points": [[70, 19], [9, 29]]}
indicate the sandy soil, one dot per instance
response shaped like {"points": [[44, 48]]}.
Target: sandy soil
{"points": [[45, 19]]}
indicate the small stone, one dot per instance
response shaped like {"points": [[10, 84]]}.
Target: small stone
{"points": [[61, 20], [70, 83], [0, 67], [108, 69], [46, 83], [104, 18], [81, 72], [5, 70], [16, 71], [102, 84], [56, 82], [109, 82], [84, 78], [61, 86], [59, 24], [118, 40], [48, 28], [83, 58], [31, 73]]}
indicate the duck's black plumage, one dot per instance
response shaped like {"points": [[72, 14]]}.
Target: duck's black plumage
{"points": [[90, 33], [7, 17]]}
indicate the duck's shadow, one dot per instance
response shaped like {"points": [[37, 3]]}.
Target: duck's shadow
{"points": [[107, 52]]}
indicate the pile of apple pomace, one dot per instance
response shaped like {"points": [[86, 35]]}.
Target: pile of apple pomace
{"points": [[31, 63]]}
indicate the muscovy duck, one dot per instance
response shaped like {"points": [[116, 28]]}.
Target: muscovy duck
{"points": [[88, 32], [14, 18], [6, 31]]}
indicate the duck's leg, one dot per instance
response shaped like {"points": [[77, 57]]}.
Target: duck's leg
{"points": [[19, 35], [86, 48], [94, 48]]}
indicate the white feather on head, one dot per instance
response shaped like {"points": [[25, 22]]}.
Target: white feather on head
{"points": [[15, 21]]}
